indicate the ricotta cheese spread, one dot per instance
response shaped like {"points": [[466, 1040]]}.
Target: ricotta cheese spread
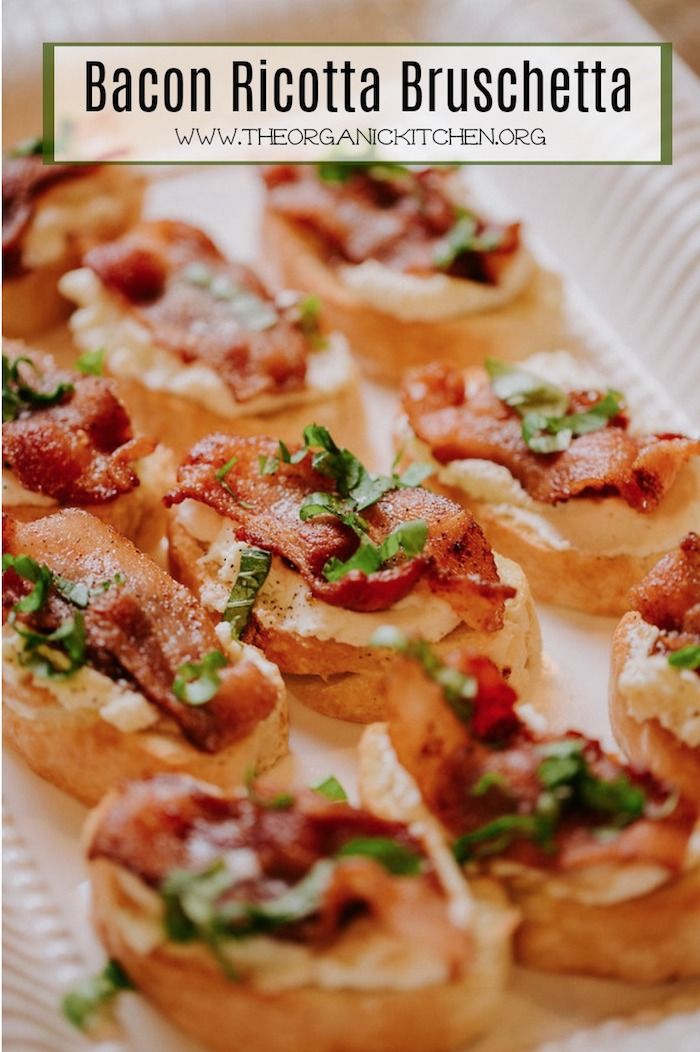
{"points": [[132, 354], [653, 689]]}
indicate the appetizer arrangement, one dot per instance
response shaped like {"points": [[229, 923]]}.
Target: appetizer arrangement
{"points": [[406, 265], [196, 526]]}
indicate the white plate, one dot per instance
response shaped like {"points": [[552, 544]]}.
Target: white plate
{"points": [[630, 237]]}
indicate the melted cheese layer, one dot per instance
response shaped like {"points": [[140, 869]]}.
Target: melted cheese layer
{"points": [[132, 354]]}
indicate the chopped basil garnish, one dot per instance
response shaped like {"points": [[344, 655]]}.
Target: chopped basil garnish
{"points": [[221, 473], [91, 363], [33, 147], [18, 395], [54, 654], [193, 909], [309, 321], [39, 575], [686, 657], [252, 574], [524, 391], [459, 689], [251, 311], [546, 427], [464, 237], [85, 1004], [197, 682], [332, 789], [567, 782], [407, 537], [342, 171], [394, 857], [357, 489], [269, 465], [489, 780]]}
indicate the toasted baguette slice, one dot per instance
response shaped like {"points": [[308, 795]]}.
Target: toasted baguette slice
{"points": [[347, 682], [386, 345], [31, 301], [647, 743], [85, 756], [188, 987], [648, 938]]}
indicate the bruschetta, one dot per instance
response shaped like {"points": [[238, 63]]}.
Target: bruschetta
{"points": [[308, 552], [112, 670], [68, 441], [199, 344], [655, 678], [51, 215], [600, 859], [292, 922], [406, 266], [558, 476]]}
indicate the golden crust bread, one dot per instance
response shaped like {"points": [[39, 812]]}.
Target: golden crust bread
{"points": [[652, 938], [179, 422], [647, 743], [647, 939], [386, 345], [586, 581], [191, 991], [85, 756], [347, 682], [31, 301]]}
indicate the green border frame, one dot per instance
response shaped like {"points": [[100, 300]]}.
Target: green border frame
{"points": [[666, 101]]}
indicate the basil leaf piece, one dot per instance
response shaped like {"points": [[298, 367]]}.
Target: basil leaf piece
{"points": [[86, 1003], [18, 395], [524, 391], [193, 909], [686, 657], [394, 857], [332, 789], [546, 427], [221, 473], [408, 537], [458, 689], [39, 575], [341, 171], [464, 237], [33, 147], [252, 574], [329, 504], [197, 682], [54, 654], [91, 363], [310, 321], [489, 780]]}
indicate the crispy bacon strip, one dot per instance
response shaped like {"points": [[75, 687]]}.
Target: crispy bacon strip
{"points": [[172, 822], [148, 270], [457, 561], [398, 221], [24, 180], [669, 597], [80, 450], [463, 423], [447, 758], [142, 630]]}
